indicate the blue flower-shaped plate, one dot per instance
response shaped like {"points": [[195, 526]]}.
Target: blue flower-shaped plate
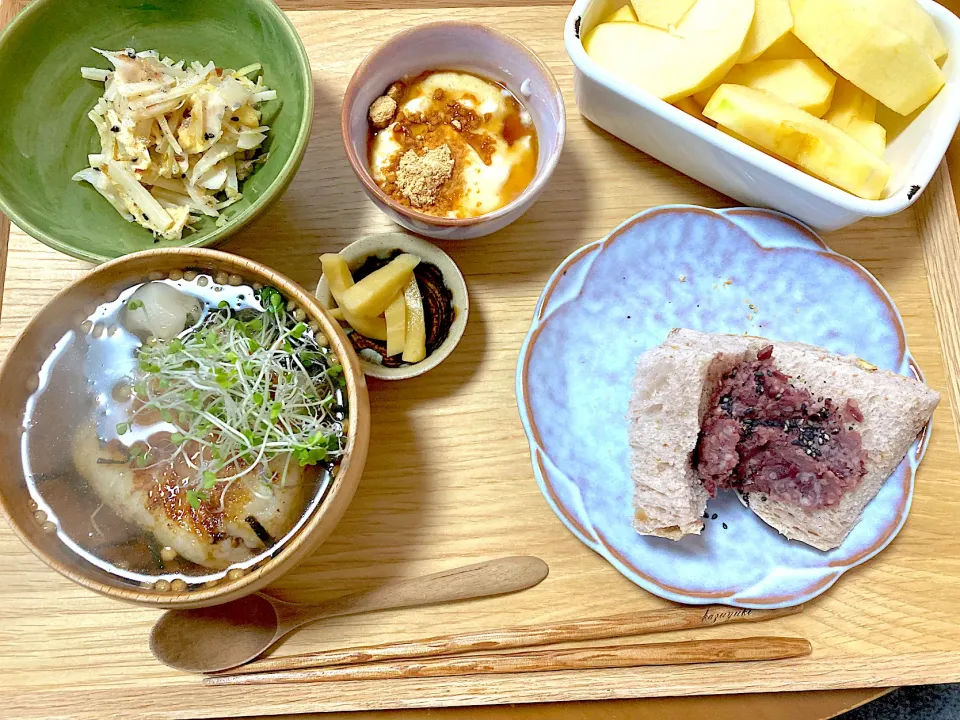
{"points": [[730, 271]]}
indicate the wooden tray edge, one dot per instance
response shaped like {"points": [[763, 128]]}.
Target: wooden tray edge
{"points": [[939, 227], [936, 668], [937, 214]]}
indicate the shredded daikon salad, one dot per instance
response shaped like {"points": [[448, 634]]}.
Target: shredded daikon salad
{"points": [[176, 140]]}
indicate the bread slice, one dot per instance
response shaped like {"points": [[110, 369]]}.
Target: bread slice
{"points": [[895, 409], [672, 390]]}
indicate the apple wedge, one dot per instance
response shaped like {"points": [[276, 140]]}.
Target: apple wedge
{"points": [[807, 83], [674, 65], [873, 136], [622, 14], [663, 14], [771, 21], [692, 108], [814, 145], [850, 103], [745, 141], [788, 47], [854, 112], [908, 16], [881, 60]]}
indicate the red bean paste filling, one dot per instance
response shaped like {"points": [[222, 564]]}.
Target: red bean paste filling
{"points": [[761, 434]]}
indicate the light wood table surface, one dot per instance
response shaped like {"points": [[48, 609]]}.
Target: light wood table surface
{"points": [[769, 706]]}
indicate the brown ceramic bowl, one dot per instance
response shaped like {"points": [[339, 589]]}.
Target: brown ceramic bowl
{"points": [[463, 46], [20, 368]]}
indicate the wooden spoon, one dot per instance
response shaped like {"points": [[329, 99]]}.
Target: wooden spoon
{"points": [[225, 636]]}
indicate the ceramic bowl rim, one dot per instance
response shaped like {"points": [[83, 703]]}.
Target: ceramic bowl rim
{"points": [[323, 518], [361, 170], [234, 224]]}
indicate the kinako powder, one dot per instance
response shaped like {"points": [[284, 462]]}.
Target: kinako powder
{"points": [[426, 172]]}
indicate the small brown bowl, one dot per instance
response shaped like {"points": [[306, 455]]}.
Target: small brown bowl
{"points": [[470, 47], [18, 375]]}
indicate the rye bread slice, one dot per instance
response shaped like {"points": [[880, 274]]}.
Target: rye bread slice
{"points": [[895, 409], [672, 390]]}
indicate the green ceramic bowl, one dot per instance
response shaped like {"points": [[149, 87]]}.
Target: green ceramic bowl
{"points": [[45, 134]]}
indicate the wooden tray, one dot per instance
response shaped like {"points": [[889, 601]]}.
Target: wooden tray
{"points": [[448, 479]]}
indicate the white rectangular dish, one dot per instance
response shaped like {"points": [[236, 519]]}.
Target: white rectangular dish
{"points": [[744, 173]]}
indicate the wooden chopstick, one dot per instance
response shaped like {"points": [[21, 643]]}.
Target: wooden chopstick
{"points": [[628, 624], [671, 653]]}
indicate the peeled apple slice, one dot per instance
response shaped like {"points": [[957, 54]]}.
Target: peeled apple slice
{"points": [[871, 135], [745, 141], [854, 112], [371, 296], [772, 20], [878, 58], [812, 144], [908, 16], [849, 103], [673, 65], [415, 344], [691, 107], [624, 14], [807, 83], [788, 47], [661, 13], [396, 325], [339, 280]]}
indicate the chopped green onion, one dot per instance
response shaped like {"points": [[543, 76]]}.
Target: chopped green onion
{"points": [[134, 304], [193, 497]]}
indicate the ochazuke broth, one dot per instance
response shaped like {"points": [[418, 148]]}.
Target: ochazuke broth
{"points": [[90, 375]]}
